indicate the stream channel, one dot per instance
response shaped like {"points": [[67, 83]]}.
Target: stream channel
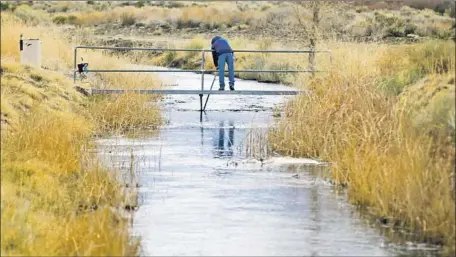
{"points": [[200, 193]]}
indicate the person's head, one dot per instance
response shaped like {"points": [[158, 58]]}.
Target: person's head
{"points": [[215, 39]]}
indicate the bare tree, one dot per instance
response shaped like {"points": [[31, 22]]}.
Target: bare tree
{"points": [[315, 5], [310, 29]]}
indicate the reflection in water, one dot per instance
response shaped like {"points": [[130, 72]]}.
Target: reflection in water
{"points": [[222, 150]]}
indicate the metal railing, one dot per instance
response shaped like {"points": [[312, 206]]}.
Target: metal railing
{"points": [[202, 68], [202, 51]]}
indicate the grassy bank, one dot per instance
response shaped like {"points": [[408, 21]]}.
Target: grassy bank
{"points": [[50, 206], [56, 198], [384, 118]]}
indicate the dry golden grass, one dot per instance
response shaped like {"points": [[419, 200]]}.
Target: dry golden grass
{"points": [[46, 196], [54, 202], [119, 113], [392, 159], [126, 15], [222, 15], [126, 112], [24, 87], [49, 205]]}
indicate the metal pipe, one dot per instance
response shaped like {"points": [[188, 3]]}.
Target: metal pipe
{"points": [[200, 50], [202, 80], [207, 98], [203, 59], [181, 71], [195, 92], [74, 65], [280, 51], [139, 49]]}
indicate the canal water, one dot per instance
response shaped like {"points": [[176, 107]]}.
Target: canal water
{"points": [[202, 193]]}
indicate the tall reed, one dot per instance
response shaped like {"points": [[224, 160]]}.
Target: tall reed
{"points": [[372, 137]]}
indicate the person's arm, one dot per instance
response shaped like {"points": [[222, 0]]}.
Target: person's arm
{"points": [[214, 57]]}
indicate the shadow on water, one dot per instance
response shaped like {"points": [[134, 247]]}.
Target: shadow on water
{"points": [[202, 193]]}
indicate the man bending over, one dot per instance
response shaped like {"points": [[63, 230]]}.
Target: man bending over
{"points": [[221, 54]]}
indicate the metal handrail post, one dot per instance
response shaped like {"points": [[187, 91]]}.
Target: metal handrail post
{"points": [[203, 60], [312, 60], [74, 64]]}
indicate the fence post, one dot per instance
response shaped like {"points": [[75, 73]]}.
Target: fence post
{"points": [[74, 64], [203, 60]]}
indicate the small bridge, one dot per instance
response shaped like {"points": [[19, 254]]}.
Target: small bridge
{"points": [[203, 71]]}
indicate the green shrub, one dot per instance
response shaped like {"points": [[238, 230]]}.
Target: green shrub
{"points": [[443, 7], [175, 5], [276, 77], [395, 31], [30, 15], [169, 58], [255, 62], [410, 29], [395, 84], [72, 19], [433, 57], [265, 7], [432, 108], [4, 6], [180, 24], [128, 19], [60, 20], [139, 4]]}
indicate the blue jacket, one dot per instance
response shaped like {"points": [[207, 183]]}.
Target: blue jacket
{"points": [[219, 46]]}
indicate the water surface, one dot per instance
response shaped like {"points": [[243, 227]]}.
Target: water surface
{"points": [[202, 195]]}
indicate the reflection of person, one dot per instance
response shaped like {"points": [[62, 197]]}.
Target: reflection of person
{"points": [[221, 140], [231, 138], [220, 143], [221, 54]]}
